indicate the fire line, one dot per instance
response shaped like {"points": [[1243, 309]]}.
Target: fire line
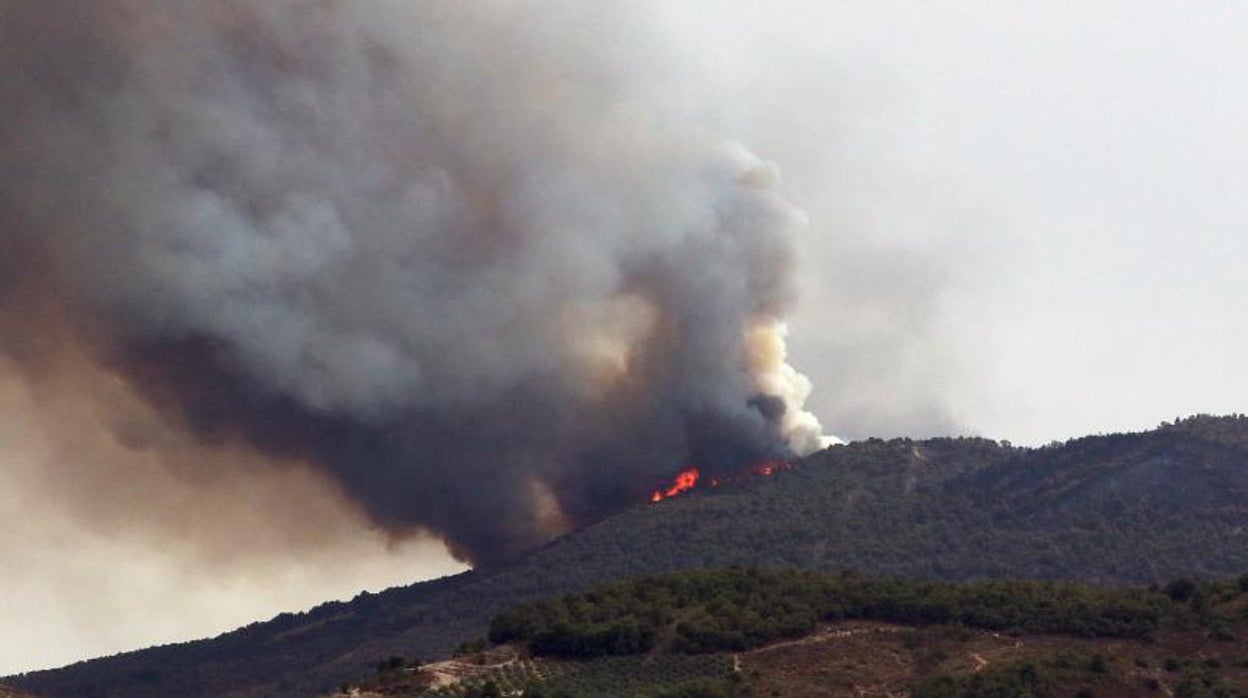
{"points": [[688, 479]]}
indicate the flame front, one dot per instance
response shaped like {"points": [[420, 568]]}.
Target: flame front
{"points": [[688, 479], [685, 481]]}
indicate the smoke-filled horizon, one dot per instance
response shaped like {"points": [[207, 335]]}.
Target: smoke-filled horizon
{"points": [[229, 230], [469, 264]]}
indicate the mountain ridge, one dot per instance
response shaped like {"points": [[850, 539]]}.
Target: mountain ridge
{"points": [[949, 509]]}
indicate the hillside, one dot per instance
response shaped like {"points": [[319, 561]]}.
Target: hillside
{"points": [[746, 633], [1133, 508]]}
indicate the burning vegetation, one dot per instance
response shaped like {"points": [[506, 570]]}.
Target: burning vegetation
{"points": [[685, 481], [688, 479]]}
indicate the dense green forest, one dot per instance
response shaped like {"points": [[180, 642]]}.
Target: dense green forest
{"points": [[736, 610]]}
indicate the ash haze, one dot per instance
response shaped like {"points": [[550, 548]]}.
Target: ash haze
{"points": [[297, 297]]}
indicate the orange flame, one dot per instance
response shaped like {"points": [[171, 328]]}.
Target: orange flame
{"points": [[688, 479], [770, 467], [685, 481]]}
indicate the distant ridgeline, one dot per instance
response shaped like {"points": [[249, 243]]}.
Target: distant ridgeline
{"points": [[1122, 508], [1106, 510]]}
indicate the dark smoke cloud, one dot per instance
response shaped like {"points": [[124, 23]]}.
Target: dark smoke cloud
{"points": [[467, 258]]}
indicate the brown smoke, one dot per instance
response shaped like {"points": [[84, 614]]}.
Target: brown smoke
{"points": [[109, 515], [468, 260]]}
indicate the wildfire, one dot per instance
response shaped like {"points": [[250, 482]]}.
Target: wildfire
{"points": [[770, 467], [685, 481], [688, 479]]}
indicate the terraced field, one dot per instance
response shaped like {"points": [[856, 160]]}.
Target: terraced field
{"points": [[610, 677]]}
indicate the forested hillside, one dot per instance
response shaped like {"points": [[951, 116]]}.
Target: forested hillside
{"points": [[1134, 508], [738, 610], [748, 634]]}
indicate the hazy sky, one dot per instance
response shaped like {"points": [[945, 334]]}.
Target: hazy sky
{"points": [[1025, 222], [1068, 177]]}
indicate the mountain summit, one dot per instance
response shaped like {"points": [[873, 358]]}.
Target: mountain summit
{"points": [[1107, 509]]}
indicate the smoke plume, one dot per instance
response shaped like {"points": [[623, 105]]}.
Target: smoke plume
{"points": [[469, 259]]}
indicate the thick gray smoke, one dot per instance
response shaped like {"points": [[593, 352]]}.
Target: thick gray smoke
{"points": [[466, 257]]}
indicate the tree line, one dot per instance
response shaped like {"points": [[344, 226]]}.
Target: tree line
{"points": [[740, 609]]}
